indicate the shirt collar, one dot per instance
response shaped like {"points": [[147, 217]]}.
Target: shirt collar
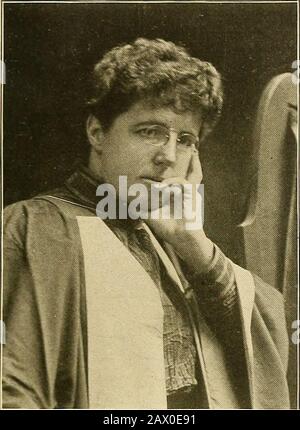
{"points": [[83, 185]]}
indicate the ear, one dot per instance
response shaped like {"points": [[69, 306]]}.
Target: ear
{"points": [[95, 133]]}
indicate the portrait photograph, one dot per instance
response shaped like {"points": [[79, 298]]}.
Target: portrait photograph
{"points": [[149, 206]]}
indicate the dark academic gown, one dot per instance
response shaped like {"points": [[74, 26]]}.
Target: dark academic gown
{"points": [[46, 355]]}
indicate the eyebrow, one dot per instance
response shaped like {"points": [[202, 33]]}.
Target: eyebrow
{"points": [[161, 123]]}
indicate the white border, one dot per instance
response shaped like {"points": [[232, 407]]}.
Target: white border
{"points": [[3, 2], [1, 197], [156, 1], [298, 212]]}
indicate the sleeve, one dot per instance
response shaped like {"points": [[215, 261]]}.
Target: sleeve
{"points": [[217, 296], [218, 300], [22, 371], [270, 305], [31, 352]]}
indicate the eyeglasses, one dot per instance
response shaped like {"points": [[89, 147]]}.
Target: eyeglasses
{"points": [[158, 135]]}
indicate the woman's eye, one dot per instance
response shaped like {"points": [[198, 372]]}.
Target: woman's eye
{"points": [[186, 140], [148, 132]]}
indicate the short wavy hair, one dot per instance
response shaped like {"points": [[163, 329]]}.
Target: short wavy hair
{"points": [[158, 72]]}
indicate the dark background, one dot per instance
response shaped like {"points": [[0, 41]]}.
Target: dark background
{"points": [[51, 48]]}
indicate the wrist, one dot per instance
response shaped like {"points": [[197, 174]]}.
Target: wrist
{"points": [[196, 250]]}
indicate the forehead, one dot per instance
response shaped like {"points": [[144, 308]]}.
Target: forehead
{"points": [[143, 112]]}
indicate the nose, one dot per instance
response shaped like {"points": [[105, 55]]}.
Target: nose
{"points": [[166, 153]]}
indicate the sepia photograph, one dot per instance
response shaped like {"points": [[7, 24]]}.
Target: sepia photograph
{"points": [[149, 251]]}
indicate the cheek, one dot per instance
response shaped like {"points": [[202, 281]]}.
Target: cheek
{"points": [[135, 160], [127, 163]]}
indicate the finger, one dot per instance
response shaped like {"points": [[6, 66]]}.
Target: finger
{"points": [[172, 187], [175, 180], [195, 175], [170, 194]]}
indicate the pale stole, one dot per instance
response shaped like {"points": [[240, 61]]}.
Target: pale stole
{"points": [[125, 323]]}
